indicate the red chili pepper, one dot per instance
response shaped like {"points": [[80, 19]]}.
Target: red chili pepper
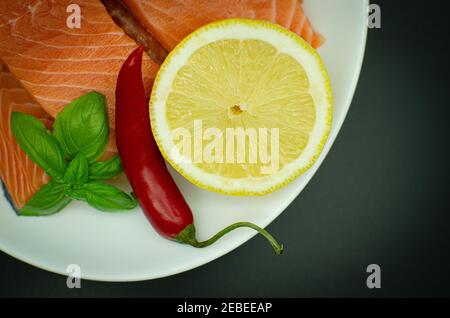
{"points": [[157, 193]]}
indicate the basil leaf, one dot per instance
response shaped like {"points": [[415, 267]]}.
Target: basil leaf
{"points": [[50, 199], [82, 126], [76, 193], [77, 172], [105, 169], [39, 144], [106, 197]]}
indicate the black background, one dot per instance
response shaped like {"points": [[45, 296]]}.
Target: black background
{"points": [[381, 196]]}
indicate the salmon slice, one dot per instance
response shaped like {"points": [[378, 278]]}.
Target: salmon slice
{"points": [[285, 12], [57, 64], [21, 176], [302, 26], [169, 21]]}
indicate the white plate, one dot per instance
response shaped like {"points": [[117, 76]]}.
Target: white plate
{"points": [[124, 247]]}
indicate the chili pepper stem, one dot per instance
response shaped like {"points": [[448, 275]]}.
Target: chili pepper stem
{"points": [[187, 236]]}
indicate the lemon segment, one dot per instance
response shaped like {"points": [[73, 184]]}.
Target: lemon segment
{"points": [[241, 107]]}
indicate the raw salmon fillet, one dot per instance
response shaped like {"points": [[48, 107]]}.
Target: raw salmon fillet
{"points": [[57, 64], [21, 176], [169, 21]]}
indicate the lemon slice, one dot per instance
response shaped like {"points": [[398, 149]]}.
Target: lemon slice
{"points": [[241, 107]]}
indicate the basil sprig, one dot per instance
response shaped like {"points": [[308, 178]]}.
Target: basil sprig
{"points": [[68, 155]]}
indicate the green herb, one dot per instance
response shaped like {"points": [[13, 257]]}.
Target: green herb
{"points": [[106, 197], [105, 169], [82, 126], [77, 172], [69, 156], [50, 199], [75, 192], [39, 144]]}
